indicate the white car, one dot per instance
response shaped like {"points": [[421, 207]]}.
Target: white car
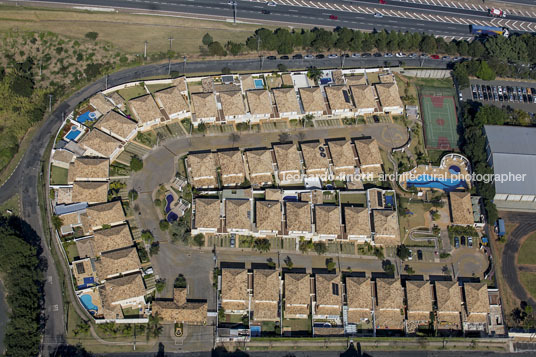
{"points": [[410, 256], [378, 15], [400, 55], [496, 13], [271, 3], [333, 55], [356, 55], [388, 55], [308, 56]]}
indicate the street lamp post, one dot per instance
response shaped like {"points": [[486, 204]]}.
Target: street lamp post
{"points": [[233, 3]]}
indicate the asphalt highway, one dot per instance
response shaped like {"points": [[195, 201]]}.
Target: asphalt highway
{"points": [[248, 11]]}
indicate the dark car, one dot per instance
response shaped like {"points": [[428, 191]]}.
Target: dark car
{"points": [[378, 54], [457, 242], [366, 54], [284, 57], [266, 12], [271, 58], [297, 56], [320, 56], [376, 118], [345, 55], [419, 254], [463, 240]]}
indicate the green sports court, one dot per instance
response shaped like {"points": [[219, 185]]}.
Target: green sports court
{"points": [[439, 118]]}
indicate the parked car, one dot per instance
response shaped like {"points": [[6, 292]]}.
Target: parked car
{"points": [[297, 56], [388, 55], [463, 240], [381, 2], [378, 54], [320, 56], [410, 255], [445, 58], [423, 56], [345, 55], [366, 55], [356, 55], [233, 240], [284, 57], [149, 271], [333, 55], [412, 55], [436, 57], [271, 57], [419, 254], [400, 55], [309, 57], [470, 241], [333, 17], [271, 3], [378, 15], [457, 242], [457, 58]]}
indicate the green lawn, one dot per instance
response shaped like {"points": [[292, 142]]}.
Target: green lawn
{"points": [[132, 92], [11, 204], [71, 250], [131, 313], [58, 175], [527, 253], [528, 279], [298, 324], [268, 326], [156, 87], [354, 198], [415, 214]]}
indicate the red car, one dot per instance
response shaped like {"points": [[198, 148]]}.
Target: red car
{"points": [[381, 1], [434, 57], [333, 17]]}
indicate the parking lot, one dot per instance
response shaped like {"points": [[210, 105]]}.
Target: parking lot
{"points": [[516, 94]]}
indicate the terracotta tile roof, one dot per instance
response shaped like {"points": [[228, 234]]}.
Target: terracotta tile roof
{"points": [[64, 156], [343, 156], [389, 319], [203, 168], [297, 292], [234, 287], [338, 76], [91, 192], [312, 99], [207, 213], [207, 84], [286, 100], [363, 96], [247, 82], [268, 215], [266, 285], [113, 238], [386, 78], [105, 213], [359, 293], [64, 195], [204, 105], [287, 157], [385, 224], [99, 142], [298, 216], [461, 208], [123, 288], [328, 219], [88, 168], [85, 248], [116, 124], [99, 102], [356, 80], [232, 167], [357, 316], [388, 94], [260, 165], [389, 294], [419, 296], [448, 295], [368, 152], [338, 97], [171, 100], [181, 310], [82, 269], [117, 99], [144, 109], [476, 297], [180, 83], [237, 214], [357, 221], [117, 262], [315, 156], [259, 101], [232, 103], [328, 292]]}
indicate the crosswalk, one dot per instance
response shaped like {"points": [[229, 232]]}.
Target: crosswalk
{"points": [[513, 25]]}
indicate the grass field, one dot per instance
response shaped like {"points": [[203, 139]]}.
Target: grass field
{"points": [[440, 123], [414, 218], [58, 175], [126, 32], [528, 279], [527, 252], [11, 204]]}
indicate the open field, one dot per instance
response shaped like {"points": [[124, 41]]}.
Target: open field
{"points": [[124, 31], [528, 279], [527, 252], [12, 204]]}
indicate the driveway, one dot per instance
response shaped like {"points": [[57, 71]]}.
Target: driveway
{"points": [[527, 225]]}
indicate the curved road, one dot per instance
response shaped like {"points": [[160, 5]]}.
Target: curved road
{"points": [[527, 225]]}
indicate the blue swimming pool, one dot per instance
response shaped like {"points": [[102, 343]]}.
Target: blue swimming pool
{"points": [[259, 83], [82, 118], [73, 134], [172, 217], [169, 199], [446, 185], [454, 170], [88, 303], [389, 201]]}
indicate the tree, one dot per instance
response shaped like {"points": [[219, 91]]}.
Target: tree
{"points": [[136, 164], [330, 264], [281, 67], [180, 282], [314, 73], [461, 76], [288, 262], [402, 252], [199, 239], [216, 49], [305, 245], [221, 314], [485, 72], [164, 225], [133, 195], [207, 39], [435, 215], [409, 270], [160, 285], [154, 249], [201, 127], [428, 44], [262, 245], [57, 222], [91, 35], [388, 267], [147, 236], [320, 247]]}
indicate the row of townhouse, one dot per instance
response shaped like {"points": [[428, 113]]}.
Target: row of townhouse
{"points": [[355, 304], [301, 213], [287, 163]]}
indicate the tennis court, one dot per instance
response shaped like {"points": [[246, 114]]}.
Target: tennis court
{"points": [[439, 118]]}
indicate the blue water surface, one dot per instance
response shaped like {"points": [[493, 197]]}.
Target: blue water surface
{"points": [[88, 303], [82, 118], [259, 84], [73, 134], [427, 181]]}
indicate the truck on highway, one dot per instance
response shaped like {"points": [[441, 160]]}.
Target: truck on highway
{"points": [[489, 30]]}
